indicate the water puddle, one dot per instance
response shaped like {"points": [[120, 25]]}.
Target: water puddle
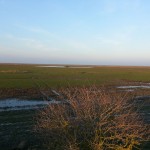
{"points": [[134, 87], [17, 104], [51, 66], [65, 66]]}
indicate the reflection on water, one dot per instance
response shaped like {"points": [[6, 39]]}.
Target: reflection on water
{"points": [[52, 66], [134, 87], [65, 66], [16, 104]]}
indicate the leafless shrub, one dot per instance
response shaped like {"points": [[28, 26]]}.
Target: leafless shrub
{"points": [[93, 119]]}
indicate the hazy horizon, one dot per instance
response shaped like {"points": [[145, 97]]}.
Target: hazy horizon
{"points": [[98, 32]]}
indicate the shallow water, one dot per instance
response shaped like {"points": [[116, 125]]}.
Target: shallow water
{"points": [[17, 104], [64, 67], [52, 66], [134, 87]]}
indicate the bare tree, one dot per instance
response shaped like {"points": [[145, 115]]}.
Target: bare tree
{"points": [[92, 119]]}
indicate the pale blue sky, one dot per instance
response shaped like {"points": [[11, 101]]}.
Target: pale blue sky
{"points": [[100, 32]]}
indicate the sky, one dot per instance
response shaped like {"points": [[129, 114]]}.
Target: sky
{"points": [[89, 32]]}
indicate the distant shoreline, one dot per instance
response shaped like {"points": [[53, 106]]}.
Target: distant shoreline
{"points": [[76, 65]]}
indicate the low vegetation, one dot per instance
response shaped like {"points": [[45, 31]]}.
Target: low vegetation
{"points": [[92, 119], [25, 76]]}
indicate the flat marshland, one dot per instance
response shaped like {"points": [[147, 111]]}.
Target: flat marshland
{"points": [[25, 76], [23, 81]]}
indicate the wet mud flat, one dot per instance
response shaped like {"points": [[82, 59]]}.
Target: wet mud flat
{"points": [[17, 121], [17, 128], [28, 93]]}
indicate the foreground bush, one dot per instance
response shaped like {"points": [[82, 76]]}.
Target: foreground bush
{"points": [[91, 119]]}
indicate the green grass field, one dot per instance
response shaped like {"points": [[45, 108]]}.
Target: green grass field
{"points": [[26, 76]]}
